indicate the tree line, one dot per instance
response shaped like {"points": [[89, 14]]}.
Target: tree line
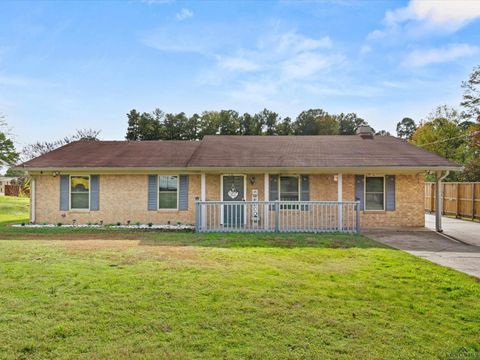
{"points": [[450, 132], [157, 125]]}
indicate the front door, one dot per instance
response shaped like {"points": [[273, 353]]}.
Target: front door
{"points": [[233, 190]]}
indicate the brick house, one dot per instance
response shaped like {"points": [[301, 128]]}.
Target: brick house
{"points": [[161, 182]]}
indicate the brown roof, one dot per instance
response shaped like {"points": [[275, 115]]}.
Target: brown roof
{"points": [[143, 154], [244, 151]]}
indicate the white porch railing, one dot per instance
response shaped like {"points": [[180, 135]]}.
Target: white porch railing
{"points": [[277, 216]]}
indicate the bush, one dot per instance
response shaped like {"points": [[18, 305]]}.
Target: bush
{"points": [[119, 223], [59, 224], [150, 224], [23, 224], [137, 223]]}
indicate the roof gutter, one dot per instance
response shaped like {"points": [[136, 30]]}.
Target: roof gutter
{"points": [[320, 170]]}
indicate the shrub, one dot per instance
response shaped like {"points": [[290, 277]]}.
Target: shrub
{"points": [[137, 223], [59, 224], [150, 224], [119, 223], [23, 224]]}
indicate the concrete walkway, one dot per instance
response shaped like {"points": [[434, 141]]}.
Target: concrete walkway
{"points": [[463, 230], [432, 246]]}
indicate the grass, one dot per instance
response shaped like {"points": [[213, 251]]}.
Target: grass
{"points": [[263, 296]]}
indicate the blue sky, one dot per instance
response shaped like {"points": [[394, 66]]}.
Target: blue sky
{"points": [[68, 65]]}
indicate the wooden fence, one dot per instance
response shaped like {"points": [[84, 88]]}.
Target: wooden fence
{"points": [[459, 199]]}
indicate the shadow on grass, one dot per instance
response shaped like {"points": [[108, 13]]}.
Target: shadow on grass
{"points": [[292, 240]]}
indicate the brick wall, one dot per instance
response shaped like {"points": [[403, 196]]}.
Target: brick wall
{"points": [[124, 197]]}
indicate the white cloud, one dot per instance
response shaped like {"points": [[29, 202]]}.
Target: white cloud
{"points": [[237, 64], [305, 64], [184, 14], [450, 13], [292, 41], [157, 2], [439, 55], [365, 49], [422, 17]]}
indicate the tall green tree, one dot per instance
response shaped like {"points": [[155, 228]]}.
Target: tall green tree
{"points": [[133, 127], [8, 154], [443, 133], [268, 120], [284, 127], [250, 125], [193, 127], [348, 123], [471, 95], [175, 127], [406, 128], [209, 123], [306, 122], [150, 125], [327, 125], [229, 122], [471, 104]]}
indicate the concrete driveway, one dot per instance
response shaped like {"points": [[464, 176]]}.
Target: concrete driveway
{"points": [[432, 246], [463, 230]]}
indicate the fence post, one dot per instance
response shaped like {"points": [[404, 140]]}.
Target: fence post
{"points": [[473, 201], [357, 214], [457, 211], [277, 216]]}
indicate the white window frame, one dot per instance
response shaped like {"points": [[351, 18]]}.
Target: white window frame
{"points": [[279, 187], [158, 192], [70, 192], [365, 192]]}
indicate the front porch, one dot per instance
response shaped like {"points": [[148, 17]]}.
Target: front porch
{"points": [[277, 216]]}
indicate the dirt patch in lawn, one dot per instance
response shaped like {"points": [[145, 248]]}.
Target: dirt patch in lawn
{"points": [[128, 251]]}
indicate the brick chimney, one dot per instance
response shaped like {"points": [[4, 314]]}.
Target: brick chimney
{"points": [[365, 132]]}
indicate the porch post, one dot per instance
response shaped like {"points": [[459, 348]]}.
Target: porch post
{"points": [[266, 196], [32, 200], [340, 199], [203, 198]]}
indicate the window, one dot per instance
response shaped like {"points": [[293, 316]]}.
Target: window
{"points": [[289, 191], [80, 192], [289, 188], [374, 193], [167, 192]]}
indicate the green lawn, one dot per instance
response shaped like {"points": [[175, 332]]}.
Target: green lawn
{"points": [[264, 296]]}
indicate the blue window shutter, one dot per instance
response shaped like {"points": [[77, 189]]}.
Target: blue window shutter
{"points": [[183, 193], [390, 193], [64, 192], [152, 193], [304, 190], [359, 186], [273, 188], [94, 193]]}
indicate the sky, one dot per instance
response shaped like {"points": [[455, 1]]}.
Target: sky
{"points": [[71, 65]]}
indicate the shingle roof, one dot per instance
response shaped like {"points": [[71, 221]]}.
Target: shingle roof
{"points": [[144, 154], [244, 151]]}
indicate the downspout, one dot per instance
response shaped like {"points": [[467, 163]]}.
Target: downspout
{"points": [[438, 200]]}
